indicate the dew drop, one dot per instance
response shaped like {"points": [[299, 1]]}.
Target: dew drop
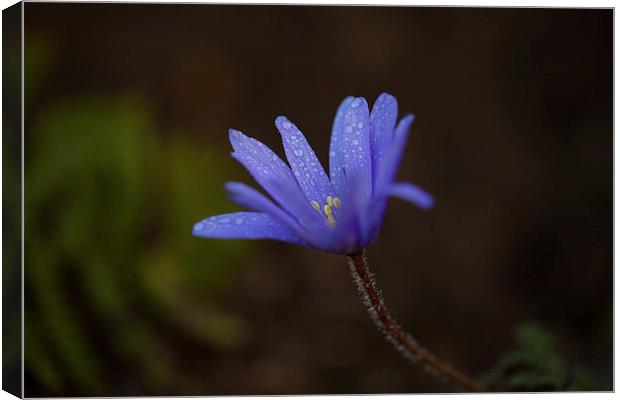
{"points": [[238, 221], [298, 152], [355, 141], [360, 124], [225, 220], [356, 103], [286, 125], [348, 129]]}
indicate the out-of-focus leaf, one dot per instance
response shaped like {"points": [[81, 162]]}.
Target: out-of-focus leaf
{"points": [[109, 213], [65, 333], [147, 351], [537, 366], [186, 304], [531, 380], [40, 362]]}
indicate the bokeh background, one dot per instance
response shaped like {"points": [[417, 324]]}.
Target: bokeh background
{"points": [[509, 277]]}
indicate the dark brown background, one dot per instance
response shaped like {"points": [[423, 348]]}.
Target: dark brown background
{"points": [[513, 137]]}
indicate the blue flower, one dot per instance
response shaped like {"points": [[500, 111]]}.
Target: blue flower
{"points": [[340, 213]]}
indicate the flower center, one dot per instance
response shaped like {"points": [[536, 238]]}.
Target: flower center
{"points": [[327, 208]]}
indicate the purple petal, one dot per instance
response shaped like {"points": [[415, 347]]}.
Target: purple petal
{"points": [[267, 168], [252, 199], [304, 163], [311, 220], [354, 223], [246, 225], [259, 160], [382, 121], [387, 169], [412, 193], [336, 166], [354, 150]]}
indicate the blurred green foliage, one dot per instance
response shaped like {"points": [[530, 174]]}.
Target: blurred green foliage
{"points": [[536, 365], [114, 277]]}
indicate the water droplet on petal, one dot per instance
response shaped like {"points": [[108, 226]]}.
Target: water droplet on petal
{"points": [[360, 124], [239, 221], [355, 141], [225, 220], [348, 129], [286, 125], [356, 103], [298, 152]]}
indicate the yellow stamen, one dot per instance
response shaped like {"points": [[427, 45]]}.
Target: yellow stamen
{"points": [[316, 205], [337, 202], [328, 212], [330, 201]]}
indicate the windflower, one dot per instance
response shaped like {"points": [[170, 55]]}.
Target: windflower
{"points": [[340, 213]]}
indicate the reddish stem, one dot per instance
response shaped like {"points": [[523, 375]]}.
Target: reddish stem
{"points": [[394, 333]]}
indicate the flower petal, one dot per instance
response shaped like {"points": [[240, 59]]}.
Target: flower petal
{"points": [[336, 167], [252, 199], [412, 193], [246, 225], [315, 227], [382, 121], [354, 150], [258, 158], [353, 223], [268, 169], [304, 163], [387, 168]]}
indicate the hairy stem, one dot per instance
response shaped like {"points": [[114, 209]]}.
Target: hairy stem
{"points": [[404, 343]]}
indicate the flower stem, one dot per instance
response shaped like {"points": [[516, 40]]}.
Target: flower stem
{"points": [[409, 348]]}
